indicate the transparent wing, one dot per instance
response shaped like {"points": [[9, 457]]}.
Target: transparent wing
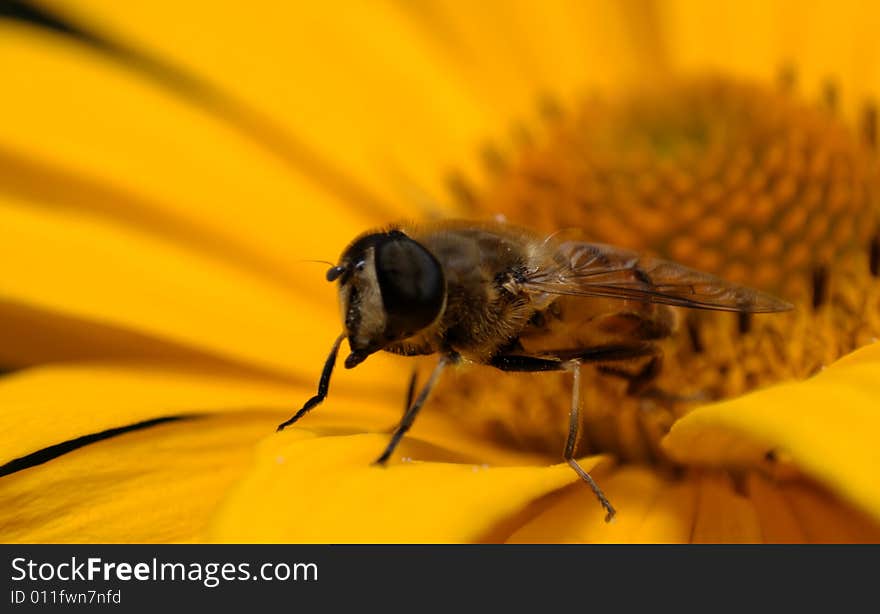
{"points": [[596, 269]]}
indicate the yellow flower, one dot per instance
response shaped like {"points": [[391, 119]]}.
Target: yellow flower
{"points": [[166, 167]]}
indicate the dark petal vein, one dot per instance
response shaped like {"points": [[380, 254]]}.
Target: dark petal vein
{"points": [[52, 452]]}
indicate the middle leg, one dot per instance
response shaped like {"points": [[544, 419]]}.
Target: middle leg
{"points": [[412, 411]]}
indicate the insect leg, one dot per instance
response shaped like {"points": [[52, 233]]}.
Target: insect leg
{"points": [[517, 362], [572, 362], [411, 390], [411, 412], [573, 432], [323, 385], [606, 353], [555, 360], [410, 393]]}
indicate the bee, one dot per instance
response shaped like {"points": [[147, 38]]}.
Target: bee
{"points": [[494, 294]]}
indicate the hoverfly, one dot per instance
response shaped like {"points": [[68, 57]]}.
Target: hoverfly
{"points": [[497, 295]]}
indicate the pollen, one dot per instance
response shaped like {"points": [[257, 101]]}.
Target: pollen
{"points": [[745, 181]]}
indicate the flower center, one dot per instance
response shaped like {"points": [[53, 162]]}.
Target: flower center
{"points": [[731, 178]]}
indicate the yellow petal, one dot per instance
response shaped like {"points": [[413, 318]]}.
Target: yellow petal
{"points": [[111, 274], [352, 80], [122, 148], [779, 523], [833, 40], [49, 405], [650, 509], [756, 38], [514, 52], [723, 515], [700, 507], [156, 485], [34, 336], [828, 425], [324, 489], [824, 520], [737, 37], [46, 406], [800, 511]]}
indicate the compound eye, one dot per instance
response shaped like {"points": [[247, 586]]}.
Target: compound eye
{"points": [[412, 285]]}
